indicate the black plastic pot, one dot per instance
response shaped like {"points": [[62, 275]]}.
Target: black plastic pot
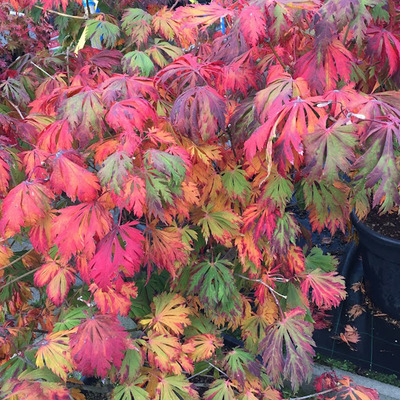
{"points": [[381, 263]]}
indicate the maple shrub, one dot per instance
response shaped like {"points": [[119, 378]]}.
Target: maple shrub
{"points": [[150, 173]]}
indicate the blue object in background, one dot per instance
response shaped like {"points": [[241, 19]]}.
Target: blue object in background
{"points": [[93, 6], [222, 19]]}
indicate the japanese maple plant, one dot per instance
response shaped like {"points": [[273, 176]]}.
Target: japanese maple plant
{"points": [[150, 174]]}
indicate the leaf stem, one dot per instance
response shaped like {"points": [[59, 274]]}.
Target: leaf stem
{"points": [[60, 13]]}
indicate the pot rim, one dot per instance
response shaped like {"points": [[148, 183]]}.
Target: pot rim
{"points": [[366, 229]]}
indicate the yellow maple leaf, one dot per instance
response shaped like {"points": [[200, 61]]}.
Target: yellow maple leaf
{"points": [[54, 354], [162, 350], [204, 346], [170, 314]]}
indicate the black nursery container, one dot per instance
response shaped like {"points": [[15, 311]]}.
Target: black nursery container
{"points": [[381, 263]]}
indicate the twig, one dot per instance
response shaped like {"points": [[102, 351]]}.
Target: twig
{"points": [[16, 108], [219, 370], [271, 290], [19, 278], [41, 69], [68, 72], [60, 13], [262, 283], [16, 260], [313, 395], [199, 373], [174, 5], [285, 67]]}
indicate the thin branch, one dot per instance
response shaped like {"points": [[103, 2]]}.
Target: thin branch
{"points": [[271, 290], [285, 67], [174, 5], [19, 278], [262, 283], [16, 108], [68, 72], [313, 395], [16, 260], [41, 69], [219, 370], [199, 373], [60, 13]]}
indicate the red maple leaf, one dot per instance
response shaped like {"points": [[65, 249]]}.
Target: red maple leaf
{"points": [[326, 64], [98, 344], [384, 47], [120, 251], [252, 24], [328, 288], [69, 175], [58, 276], [90, 222], [115, 299], [56, 136], [4, 171], [199, 112], [24, 206], [188, 71], [288, 123], [131, 114], [123, 87]]}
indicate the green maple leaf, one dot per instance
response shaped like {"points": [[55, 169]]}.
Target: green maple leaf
{"points": [[130, 391], [328, 205], [115, 170], [239, 363], [317, 259], [161, 48], [137, 61], [236, 184], [220, 390], [278, 188], [222, 225], [131, 365], [137, 24], [329, 150], [70, 319], [214, 283], [171, 166], [175, 388], [102, 32], [85, 112]]}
